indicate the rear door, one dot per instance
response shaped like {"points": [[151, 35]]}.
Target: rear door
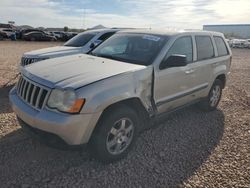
{"points": [[202, 66]]}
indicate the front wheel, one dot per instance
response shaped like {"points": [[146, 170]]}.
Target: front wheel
{"points": [[211, 102], [114, 134]]}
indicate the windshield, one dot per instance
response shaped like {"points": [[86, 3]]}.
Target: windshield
{"points": [[80, 39], [132, 48]]}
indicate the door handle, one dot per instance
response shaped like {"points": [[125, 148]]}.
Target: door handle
{"points": [[190, 71], [215, 64]]}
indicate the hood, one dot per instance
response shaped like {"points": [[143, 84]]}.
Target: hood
{"points": [[76, 71], [53, 52]]}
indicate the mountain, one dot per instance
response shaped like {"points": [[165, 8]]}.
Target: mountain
{"points": [[97, 27], [24, 27]]}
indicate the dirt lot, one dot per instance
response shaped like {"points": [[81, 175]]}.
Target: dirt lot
{"points": [[190, 149]]}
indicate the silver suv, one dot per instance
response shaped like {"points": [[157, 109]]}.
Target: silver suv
{"points": [[82, 43], [108, 97]]}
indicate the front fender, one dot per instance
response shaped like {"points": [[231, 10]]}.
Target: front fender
{"points": [[102, 94]]}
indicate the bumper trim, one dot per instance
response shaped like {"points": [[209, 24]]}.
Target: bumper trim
{"points": [[74, 129]]}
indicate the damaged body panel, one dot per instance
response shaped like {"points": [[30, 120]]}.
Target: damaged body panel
{"points": [[134, 84]]}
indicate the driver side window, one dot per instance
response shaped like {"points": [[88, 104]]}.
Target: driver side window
{"points": [[182, 46]]}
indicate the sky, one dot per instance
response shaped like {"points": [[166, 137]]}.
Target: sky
{"points": [[173, 14]]}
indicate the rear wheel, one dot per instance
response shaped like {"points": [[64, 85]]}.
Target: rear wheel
{"points": [[214, 96], [114, 134]]}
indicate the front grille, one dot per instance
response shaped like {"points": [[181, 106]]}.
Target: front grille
{"points": [[26, 61], [31, 93]]}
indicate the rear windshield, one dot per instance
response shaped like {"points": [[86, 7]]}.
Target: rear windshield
{"points": [[80, 39]]}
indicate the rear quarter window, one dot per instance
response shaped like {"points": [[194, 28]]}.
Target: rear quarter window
{"points": [[205, 49], [221, 46], [106, 36]]}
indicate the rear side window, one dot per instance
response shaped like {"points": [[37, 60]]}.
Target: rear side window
{"points": [[221, 46], [205, 49], [80, 39], [182, 46], [105, 36]]}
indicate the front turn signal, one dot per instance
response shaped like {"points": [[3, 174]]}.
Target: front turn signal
{"points": [[77, 106]]}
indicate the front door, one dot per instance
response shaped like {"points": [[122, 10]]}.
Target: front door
{"points": [[173, 85]]}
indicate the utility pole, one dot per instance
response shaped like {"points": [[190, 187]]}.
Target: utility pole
{"points": [[84, 18]]}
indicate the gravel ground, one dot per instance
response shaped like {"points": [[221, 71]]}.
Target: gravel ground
{"points": [[189, 149]]}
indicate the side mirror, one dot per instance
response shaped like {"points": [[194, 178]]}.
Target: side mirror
{"points": [[175, 60], [92, 45], [95, 43]]}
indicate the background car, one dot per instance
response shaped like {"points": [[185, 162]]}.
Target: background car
{"points": [[58, 34], [25, 31], [82, 43], [247, 43], [7, 33], [38, 36], [70, 35], [1, 36], [238, 43]]}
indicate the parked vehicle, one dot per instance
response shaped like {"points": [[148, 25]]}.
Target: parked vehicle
{"points": [[238, 43], [70, 35], [38, 36], [60, 35], [7, 33], [247, 43], [25, 31], [82, 43], [131, 80], [56, 34], [1, 36]]}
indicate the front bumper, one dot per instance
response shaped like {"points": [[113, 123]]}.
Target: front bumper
{"points": [[74, 129]]}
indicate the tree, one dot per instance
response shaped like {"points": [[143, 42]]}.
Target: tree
{"points": [[65, 28]]}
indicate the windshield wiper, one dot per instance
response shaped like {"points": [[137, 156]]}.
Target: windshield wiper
{"points": [[105, 56], [91, 53], [119, 58]]}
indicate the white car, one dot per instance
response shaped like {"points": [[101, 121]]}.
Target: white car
{"points": [[8, 32], [247, 43], [82, 43], [57, 34], [238, 43]]}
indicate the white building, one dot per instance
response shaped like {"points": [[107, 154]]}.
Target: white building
{"points": [[233, 30]]}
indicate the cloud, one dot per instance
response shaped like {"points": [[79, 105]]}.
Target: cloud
{"points": [[124, 13]]}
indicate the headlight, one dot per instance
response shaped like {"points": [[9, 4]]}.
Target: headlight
{"points": [[65, 101]]}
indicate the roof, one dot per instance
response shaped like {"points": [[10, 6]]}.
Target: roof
{"points": [[103, 30], [227, 25], [168, 32]]}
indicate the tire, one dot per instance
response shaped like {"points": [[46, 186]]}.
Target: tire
{"points": [[211, 102], [115, 134]]}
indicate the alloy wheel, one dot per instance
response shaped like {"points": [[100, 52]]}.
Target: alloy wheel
{"points": [[215, 95], [120, 136]]}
